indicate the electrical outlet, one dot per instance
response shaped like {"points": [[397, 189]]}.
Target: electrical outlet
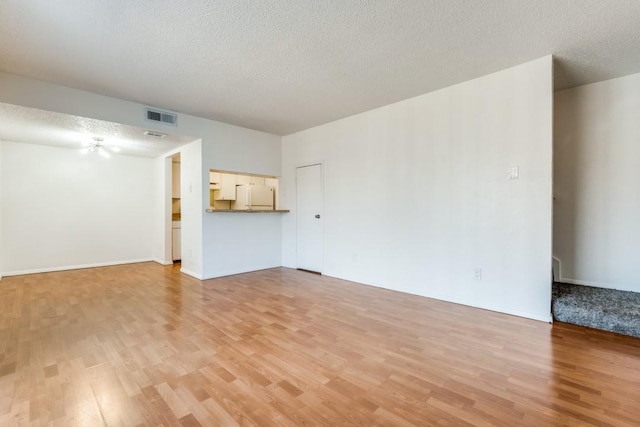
{"points": [[478, 274]]}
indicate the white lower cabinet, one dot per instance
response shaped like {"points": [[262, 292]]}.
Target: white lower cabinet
{"points": [[175, 243]]}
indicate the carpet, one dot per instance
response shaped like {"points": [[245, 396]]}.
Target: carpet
{"points": [[600, 308]]}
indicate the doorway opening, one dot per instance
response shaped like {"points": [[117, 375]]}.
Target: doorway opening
{"points": [[176, 213]]}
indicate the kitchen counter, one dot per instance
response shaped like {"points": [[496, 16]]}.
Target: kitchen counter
{"points": [[246, 211]]}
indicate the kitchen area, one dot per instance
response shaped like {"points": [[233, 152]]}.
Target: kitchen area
{"points": [[243, 223], [236, 192]]}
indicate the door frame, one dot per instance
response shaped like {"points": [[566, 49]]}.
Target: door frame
{"points": [[322, 169], [166, 258], [167, 200]]}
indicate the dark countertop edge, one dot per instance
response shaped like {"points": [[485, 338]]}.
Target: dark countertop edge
{"points": [[245, 211]]}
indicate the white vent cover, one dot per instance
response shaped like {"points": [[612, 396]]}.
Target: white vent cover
{"points": [[162, 117], [155, 134]]}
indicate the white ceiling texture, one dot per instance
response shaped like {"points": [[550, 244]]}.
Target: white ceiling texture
{"points": [[286, 65], [30, 125]]}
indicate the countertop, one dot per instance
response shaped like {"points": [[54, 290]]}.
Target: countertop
{"points": [[246, 211]]}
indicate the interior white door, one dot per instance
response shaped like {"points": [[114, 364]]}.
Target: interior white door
{"points": [[309, 204]]}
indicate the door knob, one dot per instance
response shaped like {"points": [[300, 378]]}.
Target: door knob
{"points": [[317, 216]]}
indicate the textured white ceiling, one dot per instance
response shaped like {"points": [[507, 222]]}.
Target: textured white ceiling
{"points": [[287, 65], [30, 125]]}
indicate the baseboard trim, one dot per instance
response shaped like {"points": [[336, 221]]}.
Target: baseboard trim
{"points": [[547, 318], [162, 262], [533, 316], [541, 317], [191, 273], [239, 271], [597, 284], [74, 267]]}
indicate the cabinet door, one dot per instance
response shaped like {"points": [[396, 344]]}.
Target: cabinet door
{"points": [[214, 180], [271, 182], [176, 234], [257, 180], [243, 179], [227, 187]]}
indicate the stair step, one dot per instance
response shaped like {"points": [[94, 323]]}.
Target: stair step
{"points": [[606, 309]]}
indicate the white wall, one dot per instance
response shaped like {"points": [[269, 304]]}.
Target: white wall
{"points": [[417, 194], [1, 209], [222, 146], [191, 208], [242, 242], [597, 183], [237, 243], [62, 209], [162, 204]]}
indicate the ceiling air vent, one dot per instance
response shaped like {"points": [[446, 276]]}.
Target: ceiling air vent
{"points": [[155, 134], [162, 117]]}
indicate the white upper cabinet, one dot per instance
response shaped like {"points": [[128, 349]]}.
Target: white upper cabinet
{"points": [[227, 189], [244, 180], [257, 180], [251, 180], [214, 180]]}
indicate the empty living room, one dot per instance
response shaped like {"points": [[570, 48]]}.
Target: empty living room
{"points": [[320, 213]]}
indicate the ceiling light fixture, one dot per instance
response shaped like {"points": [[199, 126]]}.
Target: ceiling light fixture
{"points": [[98, 146]]}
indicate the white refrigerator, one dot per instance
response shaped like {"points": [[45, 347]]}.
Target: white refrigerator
{"points": [[253, 198]]}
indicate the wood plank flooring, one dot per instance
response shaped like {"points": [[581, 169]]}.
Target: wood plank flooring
{"points": [[143, 344]]}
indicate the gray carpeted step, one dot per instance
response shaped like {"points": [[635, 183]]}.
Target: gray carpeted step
{"points": [[600, 308]]}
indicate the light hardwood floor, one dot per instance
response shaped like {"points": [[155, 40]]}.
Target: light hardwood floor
{"points": [[143, 344]]}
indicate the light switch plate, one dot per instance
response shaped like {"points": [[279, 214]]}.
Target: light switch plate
{"points": [[514, 172]]}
